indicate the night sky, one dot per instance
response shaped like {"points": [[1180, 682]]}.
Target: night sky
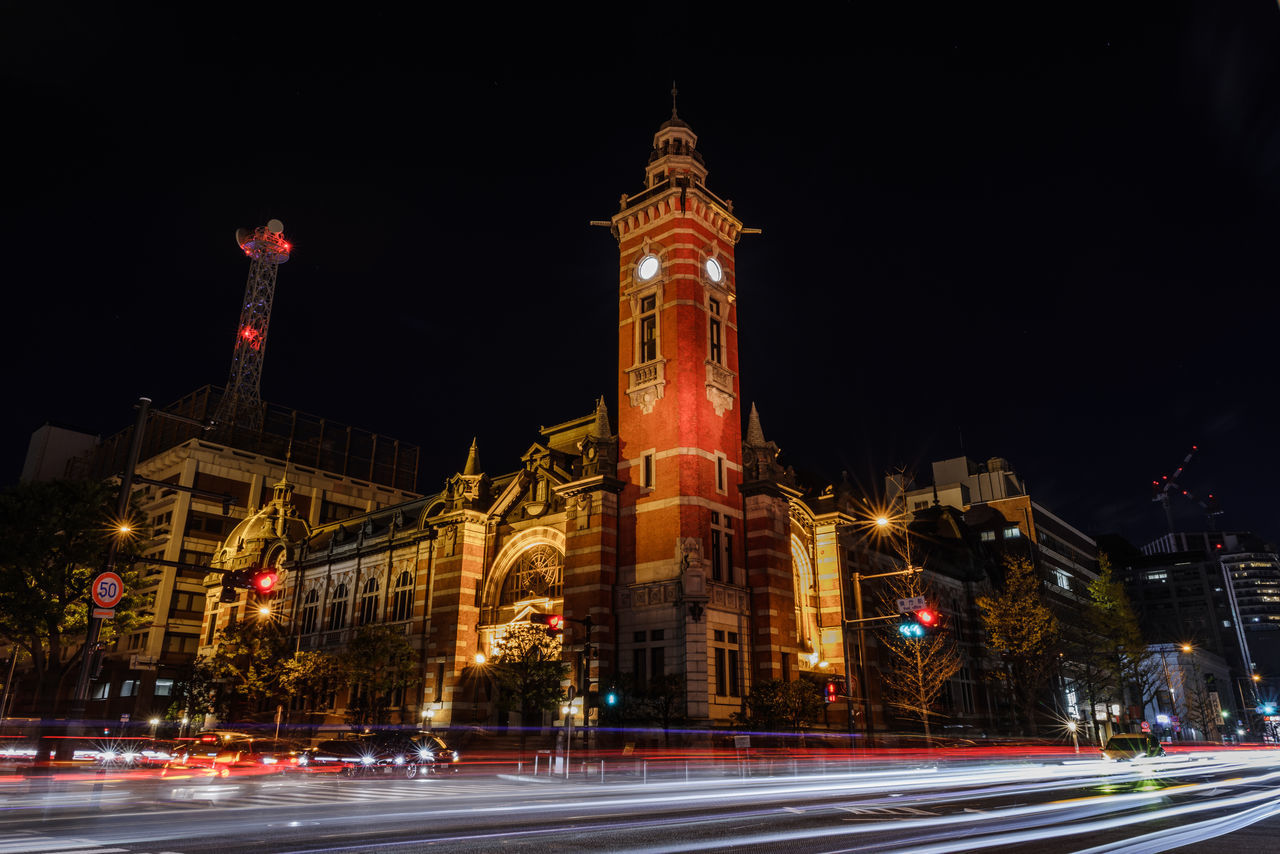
{"points": [[1050, 239]]}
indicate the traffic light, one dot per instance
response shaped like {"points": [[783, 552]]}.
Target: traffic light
{"points": [[611, 698], [263, 581], [553, 622], [835, 689], [919, 624]]}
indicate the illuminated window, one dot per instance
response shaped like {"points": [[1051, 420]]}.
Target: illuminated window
{"points": [[1012, 532], [648, 328], [721, 548], [338, 608], [988, 536], [310, 612], [164, 687], [717, 354], [537, 574], [369, 602], [127, 687], [402, 601]]}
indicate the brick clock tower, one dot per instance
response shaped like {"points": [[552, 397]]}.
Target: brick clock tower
{"points": [[683, 601]]}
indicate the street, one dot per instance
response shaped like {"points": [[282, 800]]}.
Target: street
{"points": [[1041, 805]]}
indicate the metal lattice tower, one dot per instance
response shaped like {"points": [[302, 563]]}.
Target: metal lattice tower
{"points": [[241, 406]]}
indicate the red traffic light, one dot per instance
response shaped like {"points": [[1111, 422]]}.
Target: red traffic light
{"points": [[553, 622], [833, 691], [263, 581], [927, 617]]}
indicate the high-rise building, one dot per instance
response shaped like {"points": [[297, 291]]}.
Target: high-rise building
{"points": [[336, 472]]}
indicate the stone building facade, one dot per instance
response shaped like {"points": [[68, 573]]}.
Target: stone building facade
{"points": [[674, 545]]}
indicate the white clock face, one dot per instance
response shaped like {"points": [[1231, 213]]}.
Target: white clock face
{"points": [[647, 268], [714, 271]]}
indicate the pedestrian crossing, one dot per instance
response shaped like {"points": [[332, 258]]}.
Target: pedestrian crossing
{"points": [[330, 792], [32, 842]]}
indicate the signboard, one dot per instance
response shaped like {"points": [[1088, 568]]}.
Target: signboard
{"points": [[1146, 727], [124, 719], [104, 613], [915, 603], [107, 590]]}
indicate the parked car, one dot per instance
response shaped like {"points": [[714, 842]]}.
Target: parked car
{"points": [[1132, 745]]}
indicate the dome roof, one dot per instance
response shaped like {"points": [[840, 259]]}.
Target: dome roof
{"points": [[276, 521]]}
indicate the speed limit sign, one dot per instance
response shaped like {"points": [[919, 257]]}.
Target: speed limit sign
{"points": [[108, 590]]}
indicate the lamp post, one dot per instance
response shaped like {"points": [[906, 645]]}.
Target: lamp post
{"points": [[1073, 727], [860, 621]]}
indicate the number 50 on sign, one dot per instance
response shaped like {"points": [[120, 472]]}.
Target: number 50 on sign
{"points": [[107, 590]]}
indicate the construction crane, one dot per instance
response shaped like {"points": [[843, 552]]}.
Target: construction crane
{"points": [[241, 405], [1168, 485]]}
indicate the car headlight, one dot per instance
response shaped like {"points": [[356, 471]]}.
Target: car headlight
{"points": [[426, 754], [457, 757], [367, 760], [269, 760], [399, 760]]}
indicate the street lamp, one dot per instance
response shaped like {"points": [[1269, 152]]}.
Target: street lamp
{"points": [[882, 523], [155, 722], [1072, 727]]}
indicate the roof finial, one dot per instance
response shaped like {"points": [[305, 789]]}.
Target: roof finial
{"points": [[674, 91]]}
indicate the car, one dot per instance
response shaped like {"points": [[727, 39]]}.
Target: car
{"points": [[1132, 745], [408, 754], [414, 753], [200, 751], [135, 752], [252, 756], [349, 757]]}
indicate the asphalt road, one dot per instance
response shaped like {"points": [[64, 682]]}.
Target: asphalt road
{"points": [[1206, 802]]}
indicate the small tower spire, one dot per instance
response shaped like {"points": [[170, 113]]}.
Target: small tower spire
{"points": [[755, 433], [674, 92], [473, 459], [602, 429]]}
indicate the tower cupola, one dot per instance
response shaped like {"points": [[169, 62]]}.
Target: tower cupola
{"points": [[675, 154]]}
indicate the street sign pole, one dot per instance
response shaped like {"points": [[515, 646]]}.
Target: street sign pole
{"points": [[80, 699]]}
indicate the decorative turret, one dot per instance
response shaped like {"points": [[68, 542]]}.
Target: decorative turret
{"points": [[600, 446], [760, 456], [469, 490]]}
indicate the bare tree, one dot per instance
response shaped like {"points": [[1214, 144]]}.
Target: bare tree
{"points": [[920, 664]]}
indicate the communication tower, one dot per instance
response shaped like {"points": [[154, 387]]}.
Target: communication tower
{"points": [[241, 406]]}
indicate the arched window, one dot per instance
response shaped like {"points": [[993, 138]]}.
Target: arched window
{"points": [[369, 603], [805, 594], [536, 574], [310, 613], [338, 608], [402, 599]]}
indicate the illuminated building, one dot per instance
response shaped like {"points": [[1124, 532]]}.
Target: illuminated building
{"points": [[336, 471], [675, 546]]}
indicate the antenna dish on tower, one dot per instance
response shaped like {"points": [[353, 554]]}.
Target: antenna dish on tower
{"points": [[242, 234], [275, 225]]}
